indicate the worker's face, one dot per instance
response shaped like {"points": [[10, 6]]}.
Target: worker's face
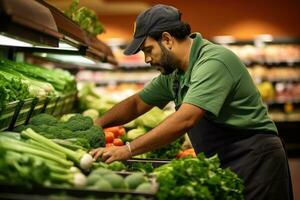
{"points": [[159, 56]]}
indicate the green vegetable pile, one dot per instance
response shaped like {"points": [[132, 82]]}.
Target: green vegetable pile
{"points": [[29, 159], [105, 179], [197, 178], [19, 81], [85, 18], [11, 89], [89, 99], [78, 130], [61, 80], [168, 152], [146, 122]]}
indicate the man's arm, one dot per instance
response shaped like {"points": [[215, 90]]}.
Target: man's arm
{"points": [[124, 112], [169, 130]]}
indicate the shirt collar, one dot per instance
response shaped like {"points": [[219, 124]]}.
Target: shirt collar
{"points": [[194, 55]]}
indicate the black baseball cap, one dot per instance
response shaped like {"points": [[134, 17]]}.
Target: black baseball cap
{"points": [[157, 18]]}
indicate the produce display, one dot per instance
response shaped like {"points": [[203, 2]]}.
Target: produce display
{"points": [[197, 178], [39, 161], [30, 159], [85, 18], [77, 130], [19, 81], [89, 99]]}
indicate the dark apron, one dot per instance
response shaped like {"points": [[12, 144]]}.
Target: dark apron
{"points": [[257, 157]]}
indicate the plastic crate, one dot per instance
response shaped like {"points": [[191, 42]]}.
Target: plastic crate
{"points": [[51, 105], [69, 101], [7, 113], [39, 107], [59, 106], [25, 112]]}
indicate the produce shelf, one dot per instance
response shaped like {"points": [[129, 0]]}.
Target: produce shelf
{"points": [[19, 112], [54, 192], [51, 104], [39, 107], [69, 101], [7, 113], [24, 114]]}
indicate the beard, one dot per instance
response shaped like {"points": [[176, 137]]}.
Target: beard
{"points": [[168, 62]]}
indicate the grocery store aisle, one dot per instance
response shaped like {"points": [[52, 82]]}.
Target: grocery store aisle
{"points": [[295, 173]]}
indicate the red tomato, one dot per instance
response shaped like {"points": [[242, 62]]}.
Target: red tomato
{"points": [[117, 130], [186, 153], [109, 137], [113, 129], [118, 142], [121, 131], [109, 145]]}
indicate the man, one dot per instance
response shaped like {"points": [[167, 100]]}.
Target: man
{"points": [[216, 102]]}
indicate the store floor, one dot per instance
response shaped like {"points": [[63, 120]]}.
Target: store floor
{"points": [[295, 173]]}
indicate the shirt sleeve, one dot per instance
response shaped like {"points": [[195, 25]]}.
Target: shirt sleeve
{"points": [[157, 92], [210, 85]]}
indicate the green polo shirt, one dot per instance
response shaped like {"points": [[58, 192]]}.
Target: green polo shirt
{"points": [[216, 81]]}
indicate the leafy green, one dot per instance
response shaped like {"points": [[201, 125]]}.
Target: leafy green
{"points": [[60, 79], [168, 152], [12, 88], [198, 178], [85, 18], [139, 166]]}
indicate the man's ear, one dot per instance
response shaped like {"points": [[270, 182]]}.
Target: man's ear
{"points": [[167, 40]]}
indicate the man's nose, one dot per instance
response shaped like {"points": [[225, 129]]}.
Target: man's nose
{"points": [[148, 59]]}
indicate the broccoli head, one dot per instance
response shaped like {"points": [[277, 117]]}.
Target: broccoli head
{"points": [[77, 123], [43, 119], [94, 135]]}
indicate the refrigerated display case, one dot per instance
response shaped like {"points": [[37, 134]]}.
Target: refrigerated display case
{"points": [[35, 29]]}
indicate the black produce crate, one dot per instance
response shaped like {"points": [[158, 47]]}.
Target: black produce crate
{"points": [[39, 107], [7, 113], [69, 101], [64, 104], [24, 114], [51, 105]]}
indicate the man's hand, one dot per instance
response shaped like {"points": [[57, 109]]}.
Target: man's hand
{"points": [[111, 154]]}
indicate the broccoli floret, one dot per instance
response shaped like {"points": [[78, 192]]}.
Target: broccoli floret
{"points": [[78, 126], [43, 119], [33, 127], [77, 123], [94, 135], [83, 142], [50, 132], [55, 132]]}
